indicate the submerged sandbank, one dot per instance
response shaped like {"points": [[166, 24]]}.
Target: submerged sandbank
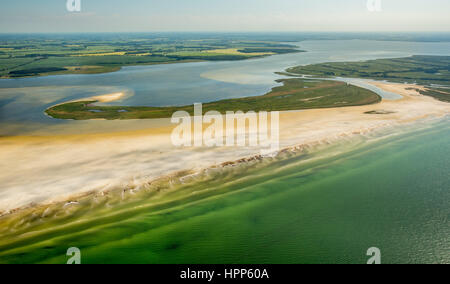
{"points": [[382, 189]]}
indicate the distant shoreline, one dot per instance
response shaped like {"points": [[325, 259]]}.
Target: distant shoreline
{"points": [[36, 57], [100, 70]]}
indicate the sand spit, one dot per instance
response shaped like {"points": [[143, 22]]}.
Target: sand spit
{"points": [[108, 98], [51, 169]]}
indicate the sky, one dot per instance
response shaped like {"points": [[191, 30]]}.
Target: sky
{"points": [[31, 16]]}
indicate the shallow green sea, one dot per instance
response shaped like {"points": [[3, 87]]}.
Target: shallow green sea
{"points": [[392, 193]]}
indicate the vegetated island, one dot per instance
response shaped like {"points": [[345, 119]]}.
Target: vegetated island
{"points": [[294, 94], [430, 71], [30, 57]]}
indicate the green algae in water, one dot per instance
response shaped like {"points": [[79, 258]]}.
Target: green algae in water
{"points": [[392, 194]]}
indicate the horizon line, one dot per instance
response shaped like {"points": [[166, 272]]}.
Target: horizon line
{"points": [[231, 31]]}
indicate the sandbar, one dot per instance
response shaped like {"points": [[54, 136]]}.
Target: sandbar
{"points": [[53, 168]]}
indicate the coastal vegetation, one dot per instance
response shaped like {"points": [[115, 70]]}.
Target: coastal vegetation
{"points": [[430, 71], [294, 94]]}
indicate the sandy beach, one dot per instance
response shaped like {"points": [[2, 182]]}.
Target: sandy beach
{"points": [[52, 168], [108, 98]]}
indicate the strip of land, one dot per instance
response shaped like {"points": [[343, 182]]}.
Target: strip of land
{"points": [[295, 94], [89, 165], [36, 56], [430, 71]]}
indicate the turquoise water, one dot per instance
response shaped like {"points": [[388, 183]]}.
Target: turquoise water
{"points": [[392, 193]]}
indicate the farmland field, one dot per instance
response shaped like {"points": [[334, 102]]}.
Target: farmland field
{"points": [[41, 55], [431, 71]]}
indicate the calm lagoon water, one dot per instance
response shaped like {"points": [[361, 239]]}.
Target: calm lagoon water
{"points": [[23, 101], [392, 193]]}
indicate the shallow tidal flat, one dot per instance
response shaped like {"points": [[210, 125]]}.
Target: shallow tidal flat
{"points": [[387, 189], [56, 165]]}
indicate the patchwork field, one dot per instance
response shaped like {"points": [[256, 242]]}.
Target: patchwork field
{"points": [[431, 71], [40, 56]]}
